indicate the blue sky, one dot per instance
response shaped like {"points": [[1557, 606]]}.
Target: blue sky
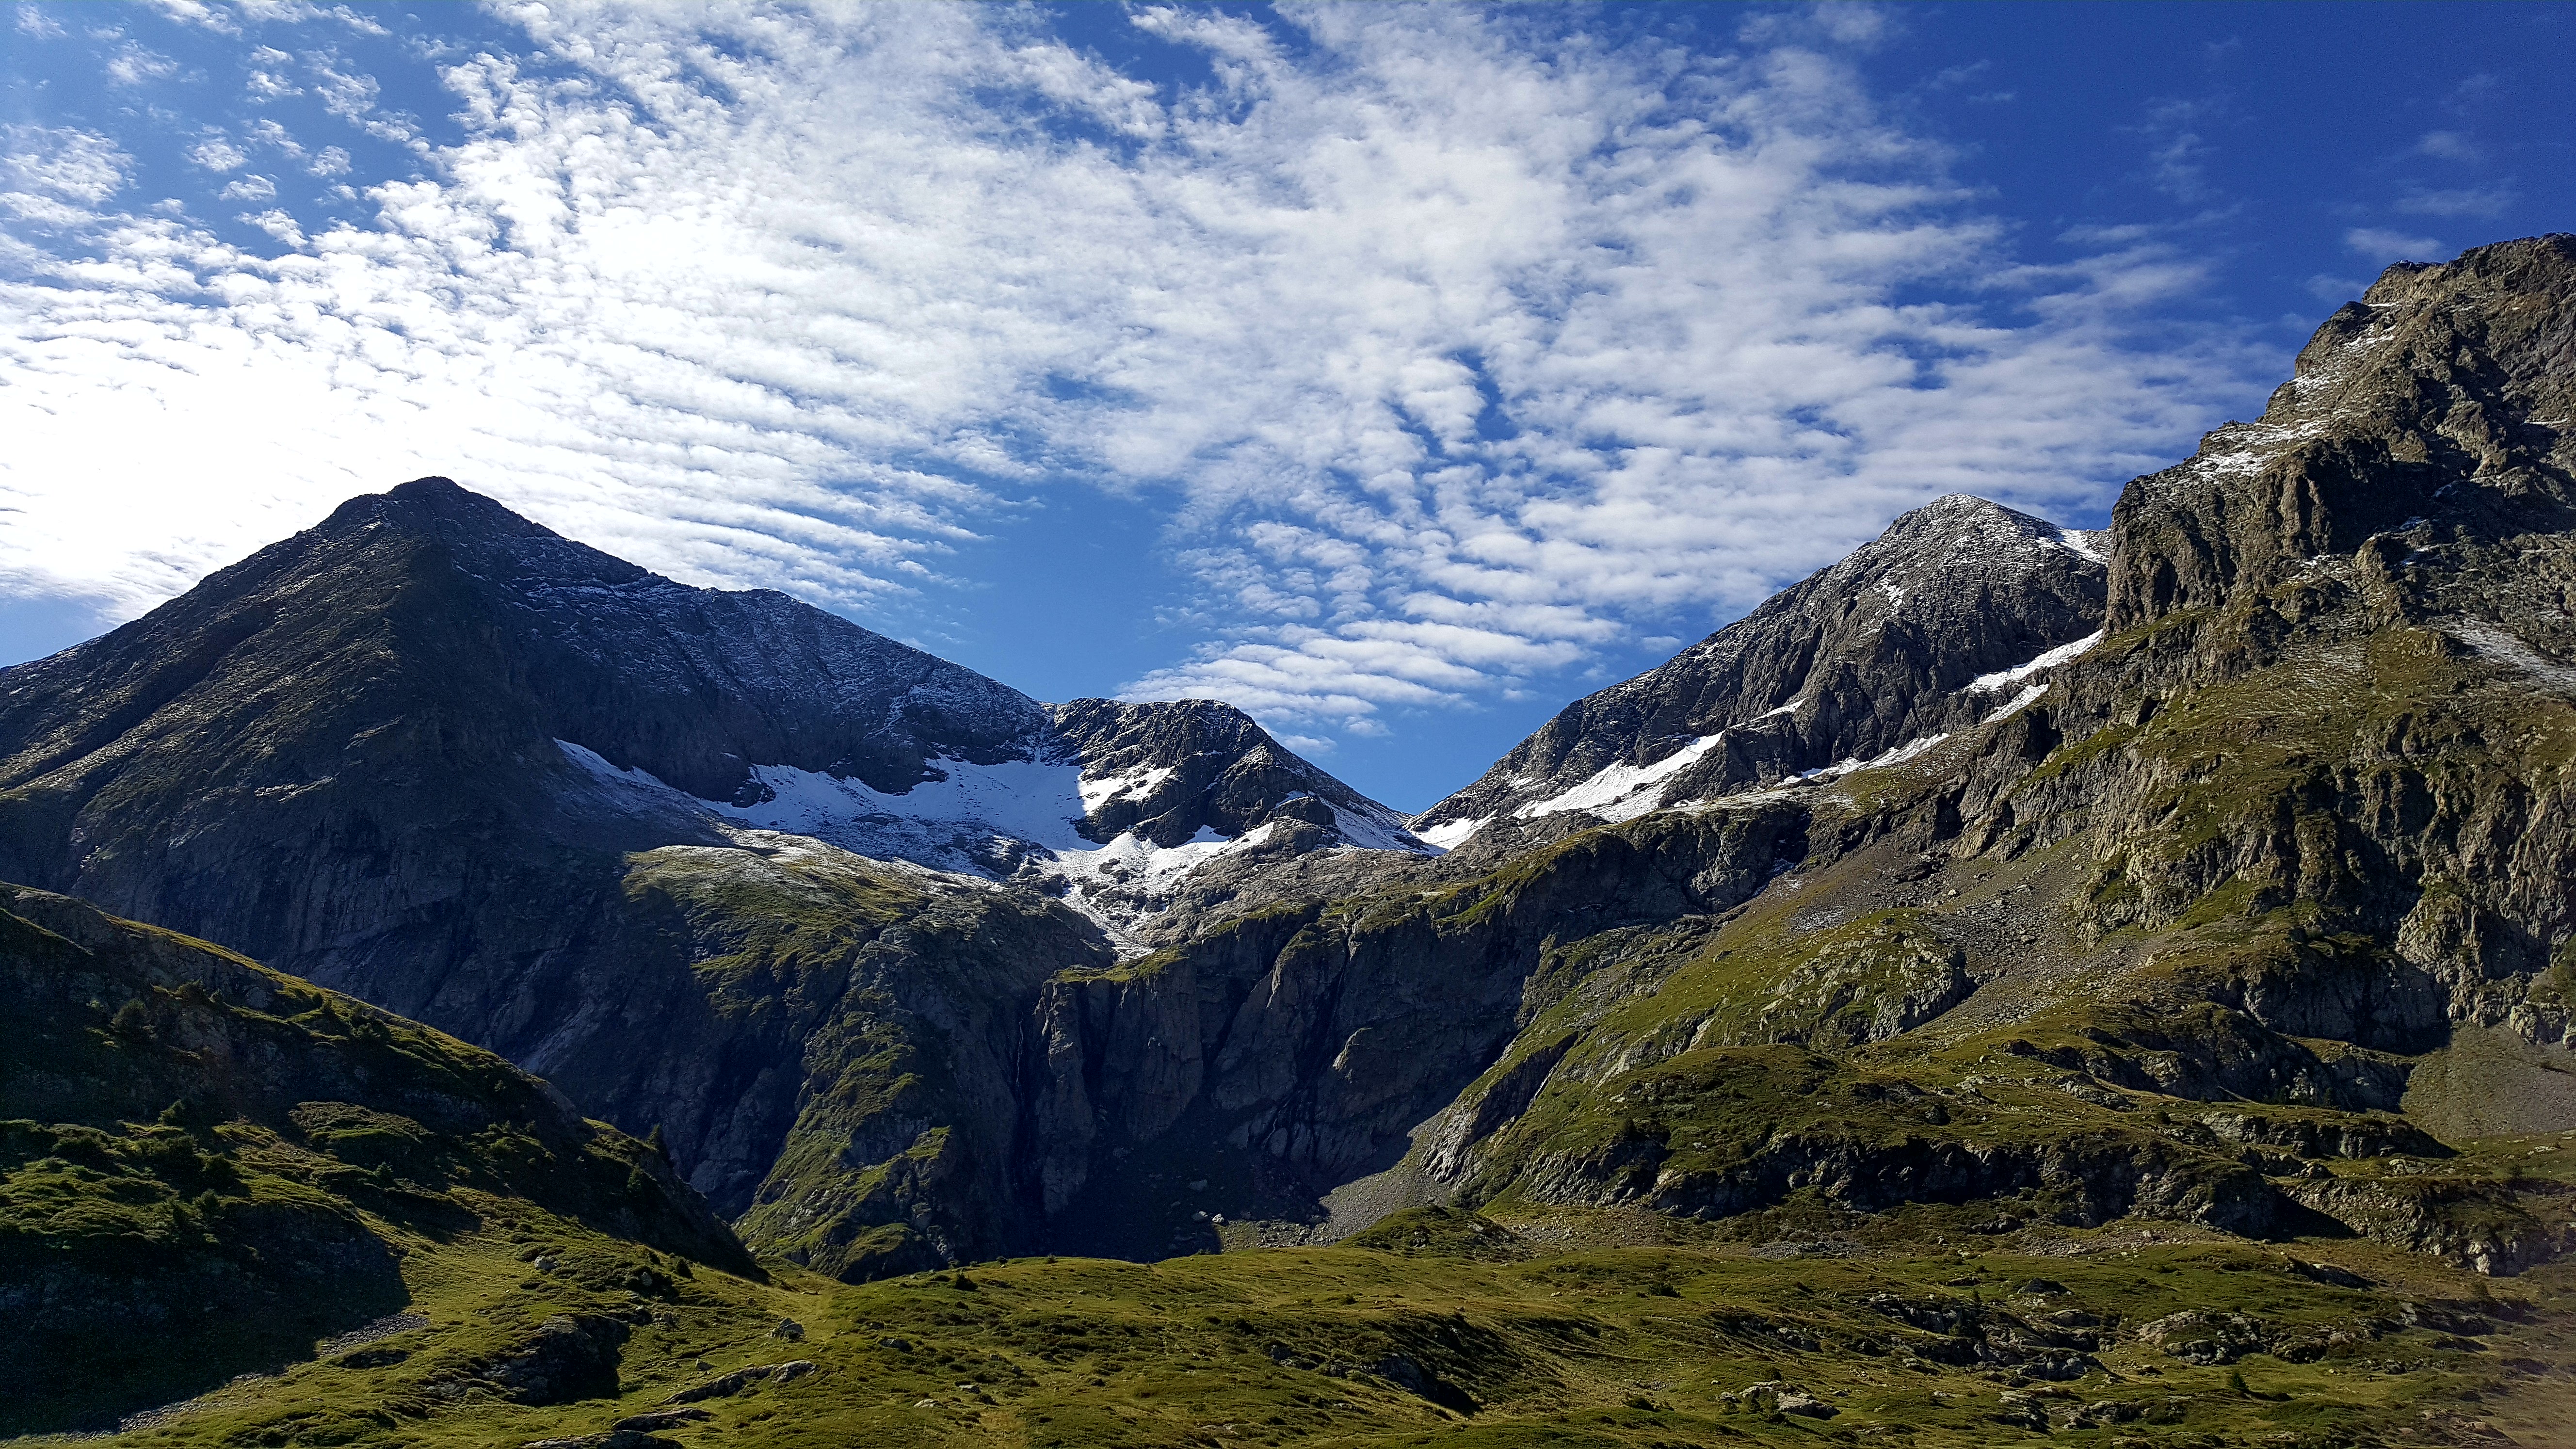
{"points": [[1396, 373]]}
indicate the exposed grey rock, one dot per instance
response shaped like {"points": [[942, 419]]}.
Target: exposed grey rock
{"points": [[1204, 765], [1778, 1396], [1879, 650], [2438, 403], [571, 1356], [728, 1385]]}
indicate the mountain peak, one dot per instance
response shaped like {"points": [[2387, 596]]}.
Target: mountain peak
{"points": [[439, 506], [1902, 640], [2439, 401]]}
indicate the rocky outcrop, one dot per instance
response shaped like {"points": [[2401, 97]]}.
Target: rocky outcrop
{"points": [[569, 1357], [2336, 666]]}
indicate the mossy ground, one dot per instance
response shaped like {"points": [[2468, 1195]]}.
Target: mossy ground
{"points": [[1439, 1328]]}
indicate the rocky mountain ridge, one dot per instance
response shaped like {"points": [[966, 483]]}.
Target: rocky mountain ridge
{"points": [[2293, 833], [433, 754], [2056, 880]]}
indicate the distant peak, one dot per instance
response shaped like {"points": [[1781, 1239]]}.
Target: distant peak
{"points": [[1950, 513]]}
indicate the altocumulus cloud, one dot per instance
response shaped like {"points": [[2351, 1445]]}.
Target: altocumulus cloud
{"points": [[1466, 340]]}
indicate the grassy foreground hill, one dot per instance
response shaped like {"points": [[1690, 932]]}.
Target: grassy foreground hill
{"points": [[207, 1168], [1578, 1328]]}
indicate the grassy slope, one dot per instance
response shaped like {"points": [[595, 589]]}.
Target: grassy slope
{"points": [[207, 1167], [1553, 1329]]}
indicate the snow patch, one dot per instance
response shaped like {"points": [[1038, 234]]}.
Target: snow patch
{"points": [[2086, 543], [1140, 783], [2019, 703], [1022, 799], [1621, 791], [1018, 818], [2002, 678], [1133, 861], [1448, 835], [1372, 831], [1901, 753], [2501, 646]]}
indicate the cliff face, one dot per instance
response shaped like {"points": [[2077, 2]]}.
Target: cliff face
{"points": [[2443, 400]]}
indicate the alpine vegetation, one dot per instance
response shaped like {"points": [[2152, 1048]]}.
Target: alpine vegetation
{"points": [[2019, 983]]}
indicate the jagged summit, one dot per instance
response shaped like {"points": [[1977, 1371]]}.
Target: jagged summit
{"points": [[1918, 632], [2442, 405]]}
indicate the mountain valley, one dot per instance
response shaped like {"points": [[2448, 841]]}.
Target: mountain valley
{"points": [[2019, 982]]}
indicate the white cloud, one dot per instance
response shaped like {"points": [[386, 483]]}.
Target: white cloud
{"points": [[197, 13], [279, 225], [1462, 343], [2448, 145], [134, 65], [32, 20], [2379, 244], [66, 165], [2462, 201], [218, 154], [250, 188]]}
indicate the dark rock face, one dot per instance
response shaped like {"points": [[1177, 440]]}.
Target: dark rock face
{"points": [[837, 1045], [1874, 652], [2444, 398], [569, 1357], [2371, 588], [1290, 1049]]}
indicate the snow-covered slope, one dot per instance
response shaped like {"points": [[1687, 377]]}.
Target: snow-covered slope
{"points": [[1943, 620], [1053, 823], [398, 678]]}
